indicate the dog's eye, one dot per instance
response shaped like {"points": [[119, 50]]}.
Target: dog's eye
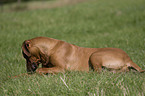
{"points": [[27, 45]]}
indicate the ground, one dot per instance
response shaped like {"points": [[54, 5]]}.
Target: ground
{"points": [[93, 23]]}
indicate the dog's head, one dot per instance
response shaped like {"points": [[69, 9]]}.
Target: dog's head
{"points": [[32, 55]]}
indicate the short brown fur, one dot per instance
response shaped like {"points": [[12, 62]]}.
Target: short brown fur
{"points": [[57, 56]]}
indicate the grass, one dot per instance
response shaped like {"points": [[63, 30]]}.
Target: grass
{"points": [[95, 23]]}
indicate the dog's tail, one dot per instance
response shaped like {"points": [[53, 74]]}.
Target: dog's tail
{"points": [[135, 66]]}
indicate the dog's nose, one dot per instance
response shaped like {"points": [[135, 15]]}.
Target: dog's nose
{"points": [[34, 67]]}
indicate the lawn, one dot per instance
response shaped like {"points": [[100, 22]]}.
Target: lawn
{"points": [[95, 24]]}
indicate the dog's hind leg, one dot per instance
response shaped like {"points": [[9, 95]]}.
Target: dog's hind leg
{"points": [[96, 63], [135, 66]]}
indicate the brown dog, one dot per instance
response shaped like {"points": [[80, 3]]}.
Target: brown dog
{"points": [[57, 56]]}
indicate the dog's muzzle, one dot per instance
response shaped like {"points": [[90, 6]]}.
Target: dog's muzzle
{"points": [[31, 69]]}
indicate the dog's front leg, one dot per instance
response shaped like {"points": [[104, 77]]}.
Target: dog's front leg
{"points": [[55, 65], [52, 70]]}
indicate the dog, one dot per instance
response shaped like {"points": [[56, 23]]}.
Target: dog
{"points": [[58, 56]]}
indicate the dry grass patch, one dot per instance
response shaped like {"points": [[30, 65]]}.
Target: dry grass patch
{"points": [[33, 5]]}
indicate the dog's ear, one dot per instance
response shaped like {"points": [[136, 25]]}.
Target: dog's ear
{"points": [[25, 48], [38, 53]]}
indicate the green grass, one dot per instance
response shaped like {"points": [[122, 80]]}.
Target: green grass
{"points": [[95, 23]]}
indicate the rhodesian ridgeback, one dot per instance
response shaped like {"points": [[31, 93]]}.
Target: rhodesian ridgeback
{"points": [[58, 56]]}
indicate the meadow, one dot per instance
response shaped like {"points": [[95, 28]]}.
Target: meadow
{"points": [[95, 24]]}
